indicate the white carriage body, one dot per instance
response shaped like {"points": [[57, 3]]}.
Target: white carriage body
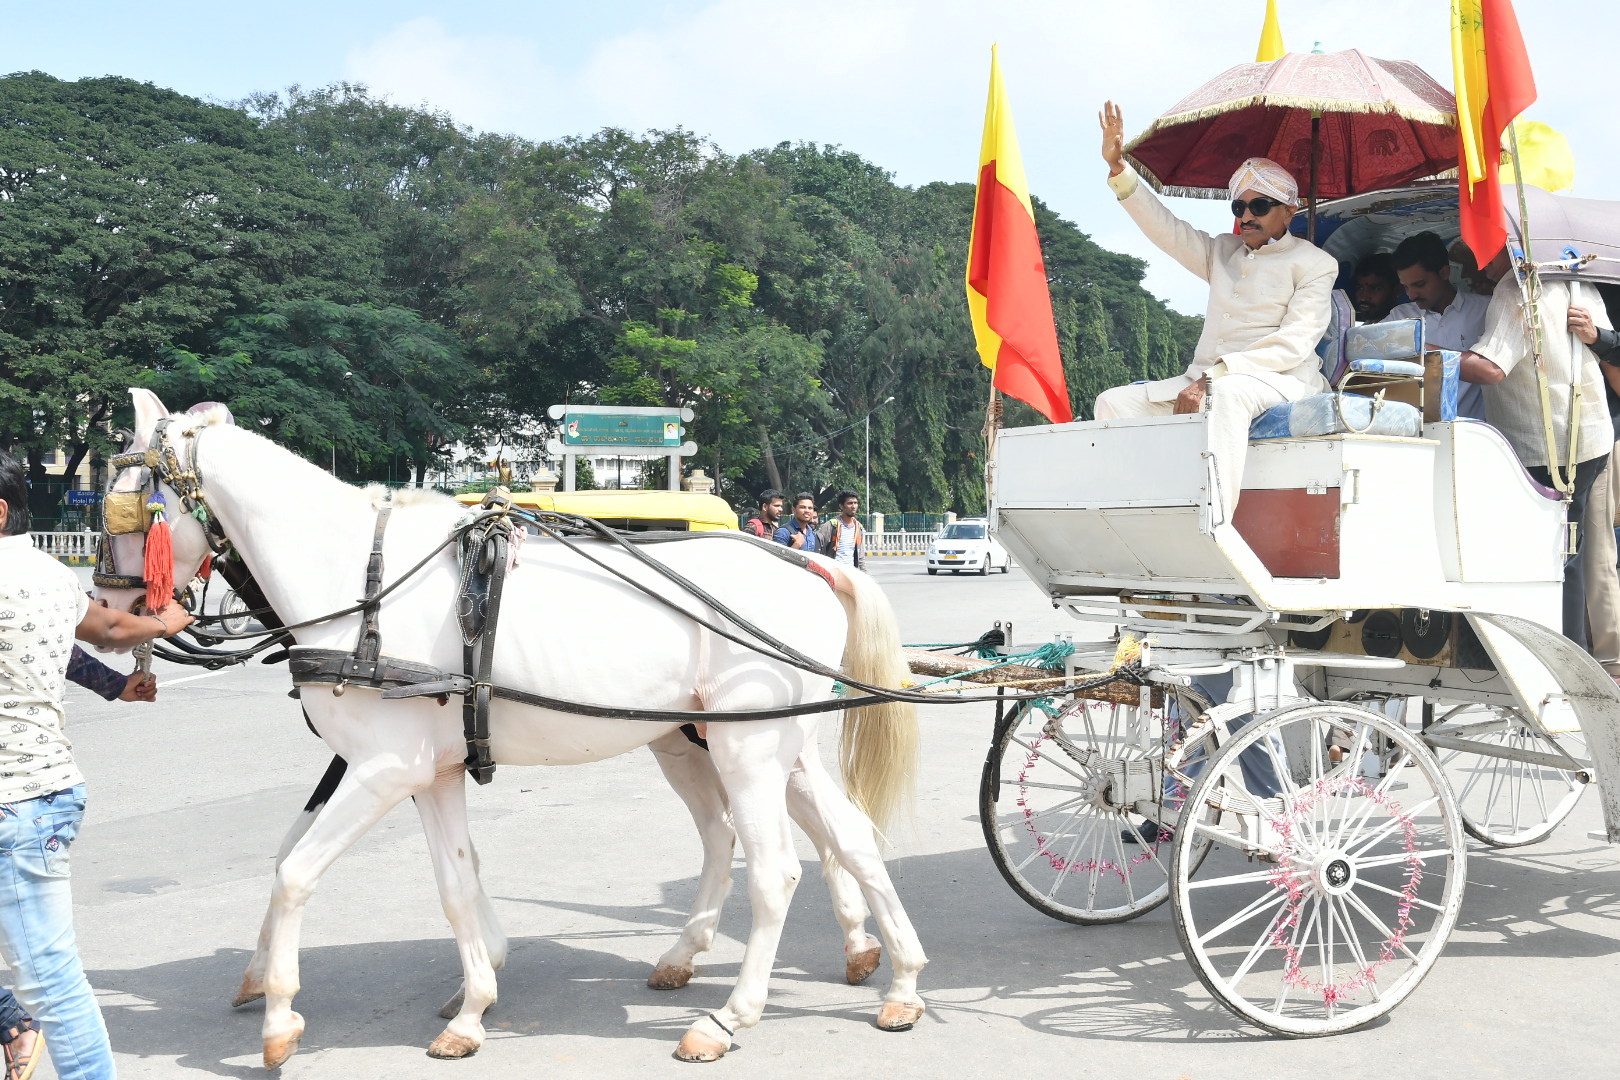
{"points": [[1118, 521], [1325, 523]]}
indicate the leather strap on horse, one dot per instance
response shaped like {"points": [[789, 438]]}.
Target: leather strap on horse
{"points": [[369, 647]]}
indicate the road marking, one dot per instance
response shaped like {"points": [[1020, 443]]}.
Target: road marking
{"points": [[193, 678]]}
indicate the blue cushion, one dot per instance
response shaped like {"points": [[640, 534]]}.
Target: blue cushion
{"points": [[1398, 340], [1341, 317], [1387, 367], [1337, 414]]}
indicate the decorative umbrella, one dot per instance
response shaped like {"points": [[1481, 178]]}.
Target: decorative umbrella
{"points": [[1371, 123]]}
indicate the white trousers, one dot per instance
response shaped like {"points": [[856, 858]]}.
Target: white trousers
{"points": [[1232, 403]]}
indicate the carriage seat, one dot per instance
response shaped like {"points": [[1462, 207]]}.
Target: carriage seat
{"points": [[1387, 354], [1337, 414]]}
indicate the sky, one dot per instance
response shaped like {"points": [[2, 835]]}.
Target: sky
{"points": [[900, 82]]}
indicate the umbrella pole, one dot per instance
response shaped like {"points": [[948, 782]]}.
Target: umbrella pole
{"points": [[1316, 137]]}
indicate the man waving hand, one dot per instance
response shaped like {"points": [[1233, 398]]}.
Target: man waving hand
{"points": [[1268, 307]]}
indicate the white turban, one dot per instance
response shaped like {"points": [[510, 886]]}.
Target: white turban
{"points": [[1268, 178]]}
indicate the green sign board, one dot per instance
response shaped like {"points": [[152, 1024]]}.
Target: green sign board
{"points": [[622, 429]]}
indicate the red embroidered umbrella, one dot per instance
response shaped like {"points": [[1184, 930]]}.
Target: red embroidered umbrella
{"points": [[1374, 123]]}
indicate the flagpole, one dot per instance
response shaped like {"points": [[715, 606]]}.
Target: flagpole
{"points": [[992, 424]]}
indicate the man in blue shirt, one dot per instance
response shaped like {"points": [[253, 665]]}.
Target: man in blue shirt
{"points": [[801, 531]]}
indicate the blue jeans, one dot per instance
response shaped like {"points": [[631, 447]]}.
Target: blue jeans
{"points": [[36, 932]]}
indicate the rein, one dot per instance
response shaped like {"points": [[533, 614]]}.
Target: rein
{"points": [[483, 540]]}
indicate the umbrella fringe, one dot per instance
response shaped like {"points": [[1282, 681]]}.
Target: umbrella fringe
{"points": [[1178, 191]]}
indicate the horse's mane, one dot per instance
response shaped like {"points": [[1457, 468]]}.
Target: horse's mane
{"points": [[407, 496], [220, 416]]}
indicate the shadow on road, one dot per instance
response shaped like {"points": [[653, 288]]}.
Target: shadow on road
{"points": [[997, 959]]}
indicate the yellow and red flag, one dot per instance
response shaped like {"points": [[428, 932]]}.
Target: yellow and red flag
{"points": [[1494, 85], [1006, 275]]}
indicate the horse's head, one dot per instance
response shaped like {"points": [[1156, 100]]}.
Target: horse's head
{"points": [[121, 567]]}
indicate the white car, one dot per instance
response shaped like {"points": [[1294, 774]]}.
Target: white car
{"points": [[967, 545]]}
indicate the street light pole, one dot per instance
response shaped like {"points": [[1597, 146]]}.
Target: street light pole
{"points": [[884, 402]]}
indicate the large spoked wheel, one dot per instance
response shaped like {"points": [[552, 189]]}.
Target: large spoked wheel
{"points": [[1508, 801], [1077, 810], [1333, 885]]}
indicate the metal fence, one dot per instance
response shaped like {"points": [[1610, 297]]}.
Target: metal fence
{"points": [[898, 543], [70, 547]]}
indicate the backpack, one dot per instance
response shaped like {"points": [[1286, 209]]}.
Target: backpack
{"points": [[757, 527]]}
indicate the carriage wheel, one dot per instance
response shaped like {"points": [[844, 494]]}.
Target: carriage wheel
{"points": [[1505, 802], [1051, 802], [1323, 905]]}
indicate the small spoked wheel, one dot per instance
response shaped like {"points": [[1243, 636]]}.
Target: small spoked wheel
{"points": [[1077, 809], [232, 609], [1520, 782], [1336, 873]]}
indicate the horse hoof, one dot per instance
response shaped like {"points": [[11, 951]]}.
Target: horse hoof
{"points": [[250, 990], [278, 1048], [451, 1045], [858, 967], [668, 977], [899, 1015], [452, 1008], [697, 1046]]}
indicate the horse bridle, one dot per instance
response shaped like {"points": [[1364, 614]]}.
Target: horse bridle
{"points": [[124, 512]]}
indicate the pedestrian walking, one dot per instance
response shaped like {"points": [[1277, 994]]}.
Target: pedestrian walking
{"points": [[800, 532], [19, 1034], [42, 792], [842, 537], [770, 514]]}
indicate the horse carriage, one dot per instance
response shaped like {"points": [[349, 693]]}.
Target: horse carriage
{"points": [[1306, 709]]}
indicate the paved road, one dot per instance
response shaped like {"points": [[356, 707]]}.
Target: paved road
{"points": [[592, 869]]}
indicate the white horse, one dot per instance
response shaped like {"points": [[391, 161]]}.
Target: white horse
{"points": [[587, 636]]}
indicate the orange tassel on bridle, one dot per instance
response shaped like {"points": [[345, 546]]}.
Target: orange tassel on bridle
{"points": [[159, 556]]}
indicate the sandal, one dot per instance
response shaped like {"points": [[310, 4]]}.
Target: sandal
{"points": [[21, 1066]]}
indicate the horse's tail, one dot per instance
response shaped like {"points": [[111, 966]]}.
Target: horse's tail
{"points": [[878, 744]]}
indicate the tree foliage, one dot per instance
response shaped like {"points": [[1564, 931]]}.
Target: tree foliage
{"points": [[379, 281]]}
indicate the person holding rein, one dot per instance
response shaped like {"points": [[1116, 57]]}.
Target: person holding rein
{"points": [[1269, 305], [1501, 362], [42, 792]]}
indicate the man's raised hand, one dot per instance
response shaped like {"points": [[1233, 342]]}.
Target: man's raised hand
{"points": [[1112, 122]]}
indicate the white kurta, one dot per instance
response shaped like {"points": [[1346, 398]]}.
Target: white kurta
{"points": [[1268, 308], [1514, 404]]}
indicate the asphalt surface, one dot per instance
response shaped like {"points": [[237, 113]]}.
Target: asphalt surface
{"points": [[592, 869]]}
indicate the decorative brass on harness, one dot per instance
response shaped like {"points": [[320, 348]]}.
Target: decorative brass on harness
{"points": [[125, 512]]}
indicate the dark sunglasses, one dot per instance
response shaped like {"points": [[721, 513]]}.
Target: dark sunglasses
{"points": [[1259, 206]]}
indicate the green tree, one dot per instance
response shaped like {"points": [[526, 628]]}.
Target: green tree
{"points": [[357, 383], [131, 219]]}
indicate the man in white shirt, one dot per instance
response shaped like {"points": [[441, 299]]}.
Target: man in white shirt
{"points": [[1502, 362], [1269, 296], [1451, 319], [42, 609]]}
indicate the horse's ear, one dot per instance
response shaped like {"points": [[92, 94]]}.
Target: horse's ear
{"points": [[149, 409]]}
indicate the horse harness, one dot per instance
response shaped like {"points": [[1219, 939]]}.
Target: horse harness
{"points": [[483, 556], [483, 540]]}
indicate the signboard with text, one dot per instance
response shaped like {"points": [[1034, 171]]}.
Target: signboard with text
{"points": [[640, 428]]}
